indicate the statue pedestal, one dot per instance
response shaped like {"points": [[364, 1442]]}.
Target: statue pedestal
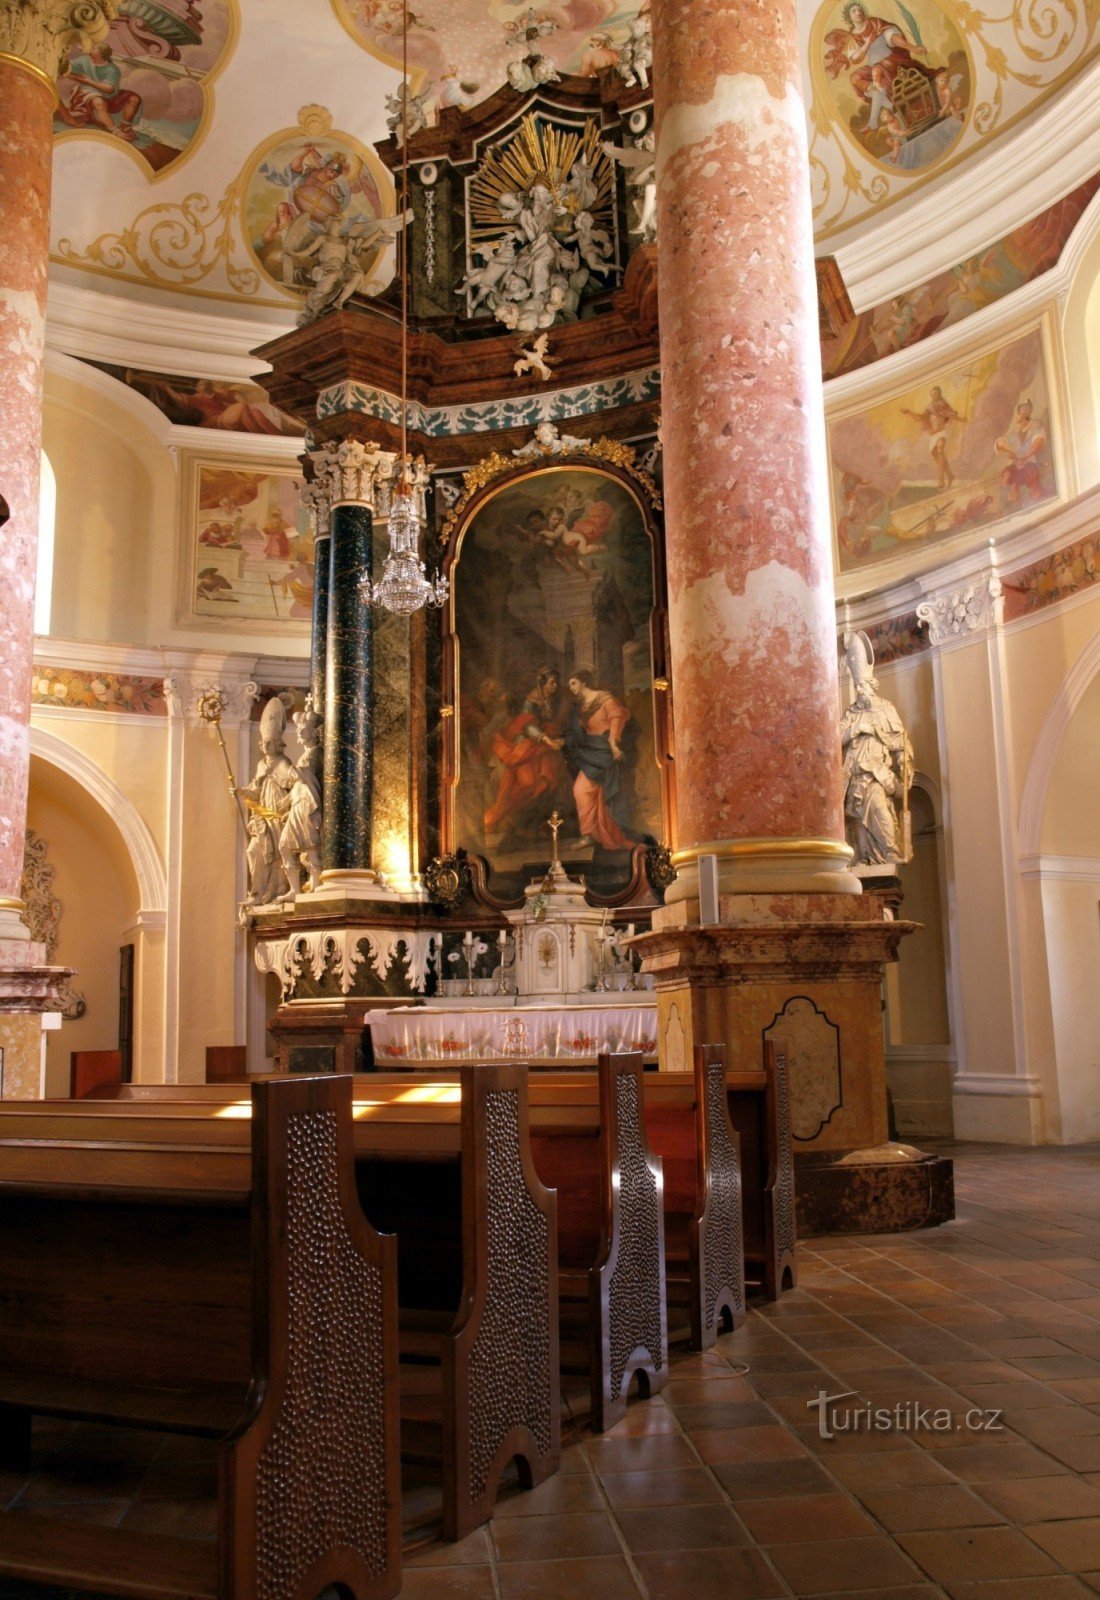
{"points": [[30, 1005], [806, 971]]}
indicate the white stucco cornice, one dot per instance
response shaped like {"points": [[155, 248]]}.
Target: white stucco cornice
{"points": [[128, 332], [987, 196]]}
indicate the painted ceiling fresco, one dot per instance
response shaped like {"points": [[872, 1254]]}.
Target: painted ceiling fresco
{"points": [[147, 86], [163, 182]]}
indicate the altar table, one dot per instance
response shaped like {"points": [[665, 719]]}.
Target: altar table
{"points": [[575, 1035]]}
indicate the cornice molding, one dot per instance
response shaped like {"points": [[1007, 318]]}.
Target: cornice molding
{"points": [[128, 332], [996, 1084], [1064, 525], [1024, 171], [1062, 869]]}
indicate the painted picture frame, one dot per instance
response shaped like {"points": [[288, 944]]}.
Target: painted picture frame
{"points": [[953, 454], [554, 667], [246, 550]]}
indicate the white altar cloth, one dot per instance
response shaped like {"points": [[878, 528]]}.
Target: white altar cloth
{"points": [[576, 1034]]}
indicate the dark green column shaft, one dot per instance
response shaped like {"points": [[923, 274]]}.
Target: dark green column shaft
{"points": [[348, 789], [318, 652]]}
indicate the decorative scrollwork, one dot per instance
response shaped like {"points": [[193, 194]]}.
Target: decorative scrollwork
{"points": [[659, 869], [43, 915], [447, 880], [175, 244]]}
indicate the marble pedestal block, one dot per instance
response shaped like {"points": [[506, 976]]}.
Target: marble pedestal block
{"points": [[805, 971]]}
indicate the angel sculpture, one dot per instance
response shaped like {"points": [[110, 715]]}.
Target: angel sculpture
{"points": [[548, 441], [640, 164], [531, 69], [406, 112], [341, 269], [636, 55], [455, 91], [877, 764], [534, 360]]}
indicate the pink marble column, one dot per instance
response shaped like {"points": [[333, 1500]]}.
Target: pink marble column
{"points": [[26, 146], [749, 560]]}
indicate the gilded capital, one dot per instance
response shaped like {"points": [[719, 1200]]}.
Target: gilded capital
{"points": [[40, 33]]}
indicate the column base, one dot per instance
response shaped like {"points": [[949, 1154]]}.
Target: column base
{"points": [[891, 1188], [804, 970], [13, 930], [765, 867]]}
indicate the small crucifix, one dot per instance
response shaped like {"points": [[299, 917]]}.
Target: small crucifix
{"points": [[555, 822]]}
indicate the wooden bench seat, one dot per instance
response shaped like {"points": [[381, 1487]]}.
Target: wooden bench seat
{"points": [[448, 1169], [107, 1560], [192, 1308], [687, 1124]]}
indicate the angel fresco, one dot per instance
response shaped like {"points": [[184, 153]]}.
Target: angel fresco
{"points": [[903, 99], [299, 190]]}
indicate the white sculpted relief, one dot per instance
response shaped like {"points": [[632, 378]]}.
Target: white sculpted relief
{"points": [[300, 836], [533, 274], [878, 765]]}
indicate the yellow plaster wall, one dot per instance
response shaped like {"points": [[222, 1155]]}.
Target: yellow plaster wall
{"points": [[97, 888]]}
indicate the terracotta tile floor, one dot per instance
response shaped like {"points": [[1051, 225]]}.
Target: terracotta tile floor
{"points": [[723, 1486]]}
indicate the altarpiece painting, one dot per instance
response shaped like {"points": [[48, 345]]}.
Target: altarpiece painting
{"points": [[558, 634]]}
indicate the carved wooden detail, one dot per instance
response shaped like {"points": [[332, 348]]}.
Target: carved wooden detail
{"points": [[507, 1352], [779, 1217], [629, 1284], [719, 1232]]}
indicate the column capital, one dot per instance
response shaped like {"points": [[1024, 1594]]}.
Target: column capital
{"points": [[199, 696], [960, 613], [350, 473], [38, 34]]}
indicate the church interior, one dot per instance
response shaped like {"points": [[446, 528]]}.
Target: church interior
{"points": [[549, 850]]}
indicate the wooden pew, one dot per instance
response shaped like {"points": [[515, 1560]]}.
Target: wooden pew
{"points": [[477, 1236], [448, 1168], [202, 1288], [760, 1111], [93, 1070], [687, 1124], [592, 1148]]}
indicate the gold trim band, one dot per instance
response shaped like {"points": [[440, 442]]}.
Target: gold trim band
{"points": [[739, 849], [35, 72], [10, 902]]}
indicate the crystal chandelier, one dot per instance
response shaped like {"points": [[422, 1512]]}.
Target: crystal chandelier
{"points": [[404, 586]]}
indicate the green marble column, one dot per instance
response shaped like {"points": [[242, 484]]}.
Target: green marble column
{"points": [[318, 654], [348, 796]]}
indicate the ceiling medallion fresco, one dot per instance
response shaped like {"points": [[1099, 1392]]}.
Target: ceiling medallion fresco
{"points": [[147, 87], [299, 185], [463, 53], [267, 225], [904, 91]]}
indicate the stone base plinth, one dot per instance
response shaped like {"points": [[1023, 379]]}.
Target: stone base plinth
{"points": [[805, 971], [890, 1189], [802, 970], [324, 1035]]}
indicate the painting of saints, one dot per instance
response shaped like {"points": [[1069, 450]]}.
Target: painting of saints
{"points": [[596, 747], [302, 189], [147, 83], [1024, 444], [935, 419], [872, 50], [554, 591], [527, 749]]}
